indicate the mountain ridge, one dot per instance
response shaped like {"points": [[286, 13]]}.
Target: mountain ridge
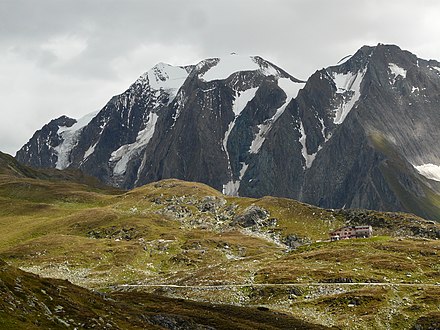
{"points": [[260, 131]]}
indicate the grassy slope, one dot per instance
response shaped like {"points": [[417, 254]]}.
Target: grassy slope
{"points": [[9, 167], [177, 232], [29, 302]]}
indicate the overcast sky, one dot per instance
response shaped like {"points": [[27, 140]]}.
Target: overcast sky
{"points": [[70, 56]]}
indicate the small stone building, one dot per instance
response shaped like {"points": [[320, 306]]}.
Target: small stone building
{"points": [[351, 232]]}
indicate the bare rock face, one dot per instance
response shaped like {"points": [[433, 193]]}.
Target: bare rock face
{"points": [[360, 134]]}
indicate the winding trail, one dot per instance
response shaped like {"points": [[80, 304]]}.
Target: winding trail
{"points": [[228, 286]]}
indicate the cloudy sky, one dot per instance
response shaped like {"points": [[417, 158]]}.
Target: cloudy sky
{"points": [[70, 56]]}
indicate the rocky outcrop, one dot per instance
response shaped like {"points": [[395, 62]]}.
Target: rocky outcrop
{"points": [[251, 216], [294, 241]]}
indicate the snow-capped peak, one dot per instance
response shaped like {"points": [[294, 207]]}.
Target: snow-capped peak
{"points": [[164, 77], [225, 66], [221, 68]]}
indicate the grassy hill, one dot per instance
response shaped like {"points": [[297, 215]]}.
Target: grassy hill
{"points": [[186, 240]]}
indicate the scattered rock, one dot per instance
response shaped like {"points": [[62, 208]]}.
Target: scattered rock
{"points": [[115, 233], [251, 216], [293, 241], [211, 204]]}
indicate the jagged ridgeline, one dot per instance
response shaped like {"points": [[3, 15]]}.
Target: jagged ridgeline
{"points": [[360, 134]]}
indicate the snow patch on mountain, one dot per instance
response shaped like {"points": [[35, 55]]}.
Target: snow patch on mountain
{"points": [[321, 121], [429, 171], [264, 128], [231, 188], [228, 65], [89, 151], [267, 69], [308, 158], [164, 77], [70, 136], [242, 98], [180, 104], [125, 153], [349, 85], [291, 89], [396, 71]]}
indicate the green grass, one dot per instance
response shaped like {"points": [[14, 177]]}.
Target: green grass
{"points": [[381, 259], [101, 237]]}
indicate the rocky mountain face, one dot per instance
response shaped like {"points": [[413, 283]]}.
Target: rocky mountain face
{"points": [[360, 134]]}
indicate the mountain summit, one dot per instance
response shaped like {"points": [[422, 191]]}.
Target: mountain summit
{"points": [[360, 134]]}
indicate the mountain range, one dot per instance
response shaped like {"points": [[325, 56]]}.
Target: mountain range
{"points": [[360, 134]]}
